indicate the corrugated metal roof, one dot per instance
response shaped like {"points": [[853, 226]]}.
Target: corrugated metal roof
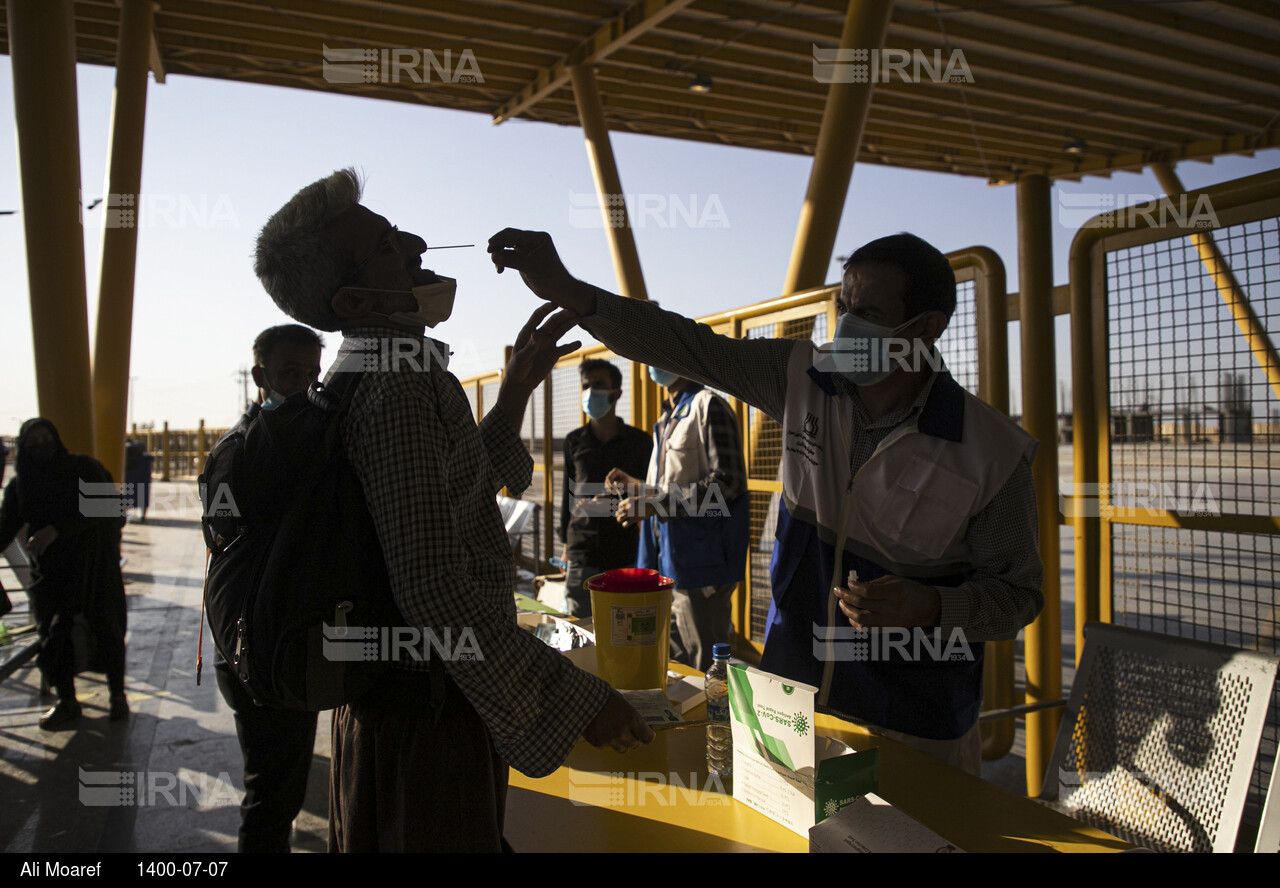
{"points": [[989, 88]]}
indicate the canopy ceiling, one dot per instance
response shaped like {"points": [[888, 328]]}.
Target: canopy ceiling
{"points": [[1040, 86]]}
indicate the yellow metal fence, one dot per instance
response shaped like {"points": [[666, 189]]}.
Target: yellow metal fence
{"points": [[1177, 487], [555, 410]]}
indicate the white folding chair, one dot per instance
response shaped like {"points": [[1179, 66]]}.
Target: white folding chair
{"points": [[1158, 742], [517, 517], [1269, 828]]}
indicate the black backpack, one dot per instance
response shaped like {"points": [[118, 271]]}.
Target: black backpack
{"points": [[296, 589]]}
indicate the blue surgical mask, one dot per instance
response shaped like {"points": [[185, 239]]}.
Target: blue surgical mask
{"points": [[663, 378], [860, 350], [274, 400], [596, 403]]}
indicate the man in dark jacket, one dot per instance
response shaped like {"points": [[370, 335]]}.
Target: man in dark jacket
{"points": [[276, 743]]}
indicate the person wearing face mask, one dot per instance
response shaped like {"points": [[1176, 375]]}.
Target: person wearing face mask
{"points": [[593, 541], [77, 560], [276, 744], [693, 509], [420, 762], [907, 504]]}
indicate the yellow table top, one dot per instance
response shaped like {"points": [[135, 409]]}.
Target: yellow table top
{"points": [[660, 798]]}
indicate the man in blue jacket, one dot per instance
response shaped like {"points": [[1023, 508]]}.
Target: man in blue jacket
{"points": [[695, 510]]}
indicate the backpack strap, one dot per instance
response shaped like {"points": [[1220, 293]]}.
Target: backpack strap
{"points": [[335, 398]]}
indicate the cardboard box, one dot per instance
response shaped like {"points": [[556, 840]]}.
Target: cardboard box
{"points": [[780, 767], [873, 826]]}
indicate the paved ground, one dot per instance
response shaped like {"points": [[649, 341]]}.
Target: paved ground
{"points": [[179, 744], [180, 735]]}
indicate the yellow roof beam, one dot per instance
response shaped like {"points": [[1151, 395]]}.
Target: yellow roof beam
{"points": [[155, 61], [633, 23]]}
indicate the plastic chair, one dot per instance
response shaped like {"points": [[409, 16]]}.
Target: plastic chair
{"points": [[517, 517], [1269, 828], [1159, 738]]}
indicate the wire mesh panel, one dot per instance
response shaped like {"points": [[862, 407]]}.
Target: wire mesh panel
{"points": [[958, 344], [532, 430], [488, 396], [1195, 431], [764, 463], [470, 391]]}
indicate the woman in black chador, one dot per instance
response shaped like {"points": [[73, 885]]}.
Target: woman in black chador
{"points": [[78, 598]]}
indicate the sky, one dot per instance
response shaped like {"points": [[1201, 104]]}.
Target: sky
{"points": [[714, 224]]}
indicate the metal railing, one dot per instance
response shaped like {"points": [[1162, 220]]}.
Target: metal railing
{"points": [[179, 453], [1177, 475], [975, 347]]}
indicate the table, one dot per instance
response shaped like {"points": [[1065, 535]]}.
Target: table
{"points": [[660, 798]]}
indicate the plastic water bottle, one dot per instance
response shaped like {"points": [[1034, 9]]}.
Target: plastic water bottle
{"points": [[719, 735]]}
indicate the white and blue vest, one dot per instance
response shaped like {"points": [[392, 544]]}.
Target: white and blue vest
{"points": [[910, 507], [710, 550]]}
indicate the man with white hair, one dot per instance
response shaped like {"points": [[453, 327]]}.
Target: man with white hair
{"points": [[420, 763]]}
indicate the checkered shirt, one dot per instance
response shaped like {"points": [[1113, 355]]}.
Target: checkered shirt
{"points": [[430, 477]]}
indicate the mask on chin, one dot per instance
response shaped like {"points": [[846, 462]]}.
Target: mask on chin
{"points": [[435, 304], [274, 400]]}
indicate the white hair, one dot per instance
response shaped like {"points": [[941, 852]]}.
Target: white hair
{"points": [[294, 257]]}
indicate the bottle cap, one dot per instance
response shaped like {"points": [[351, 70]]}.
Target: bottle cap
{"points": [[720, 651]]}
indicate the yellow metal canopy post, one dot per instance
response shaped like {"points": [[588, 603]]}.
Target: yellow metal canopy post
{"points": [[617, 225], [111, 350], [42, 49], [844, 117], [990, 299], [1043, 640]]}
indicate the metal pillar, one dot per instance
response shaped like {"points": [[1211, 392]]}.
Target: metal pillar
{"points": [[164, 453], [42, 53], [840, 134], [991, 303], [1043, 640], [1260, 344], [111, 350], [617, 226]]}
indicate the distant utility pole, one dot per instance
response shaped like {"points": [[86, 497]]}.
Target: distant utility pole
{"points": [[245, 376], [133, 416]]}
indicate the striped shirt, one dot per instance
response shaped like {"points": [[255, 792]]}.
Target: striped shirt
{"points": [[430, 476]]}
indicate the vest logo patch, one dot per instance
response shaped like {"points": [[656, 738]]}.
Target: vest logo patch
{"points": [[804, 443]]}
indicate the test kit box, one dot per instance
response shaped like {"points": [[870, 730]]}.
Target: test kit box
{"points": [[780, 767], [873, 826]]}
